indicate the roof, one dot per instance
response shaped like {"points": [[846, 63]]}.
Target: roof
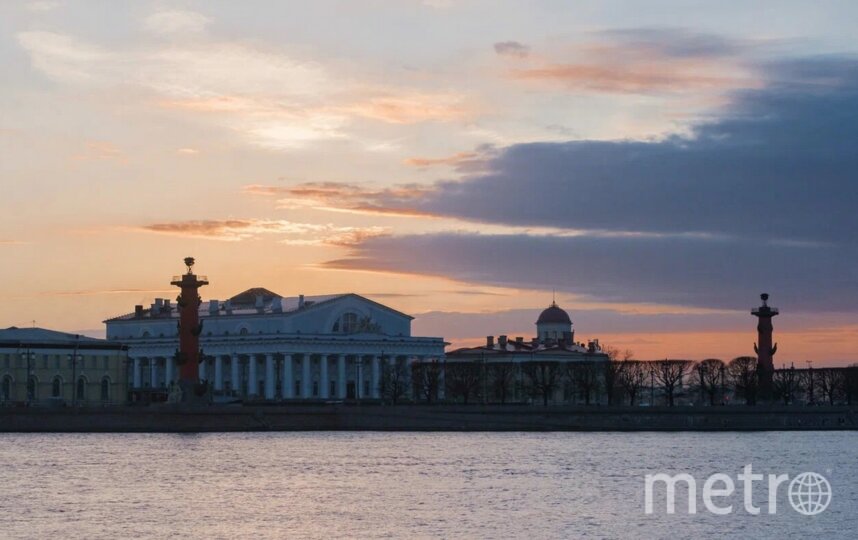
{"points": [[244, 303], [554, 315], [42, 337]]}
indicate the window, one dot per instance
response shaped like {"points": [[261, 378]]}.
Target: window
{"points": [[242, 332], [105, 389], [56, 387], [350, 323], [297, 387], [332, 391], [146, 335], [81, 389], [366, 388], [315, 388]]}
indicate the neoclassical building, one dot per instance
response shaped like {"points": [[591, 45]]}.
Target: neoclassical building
{"points": [[519, 369], [40, 366], [260, 345]]}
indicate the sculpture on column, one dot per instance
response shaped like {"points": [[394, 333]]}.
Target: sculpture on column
{"points": [[189, 355]]}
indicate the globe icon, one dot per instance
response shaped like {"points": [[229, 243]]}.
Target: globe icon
{"points": [[809, 493]]}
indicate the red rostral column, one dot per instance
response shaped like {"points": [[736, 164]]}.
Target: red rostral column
{"points": [[188, 355], [764, 348]]}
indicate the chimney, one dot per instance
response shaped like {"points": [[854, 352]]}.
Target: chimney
{"points": [[167, 307], [300, 301], [519, 341], [277, 305], [534, 342], [490, 342], [228, 307], [502, 342], [214, 305], [260, 303], [138, 312], [159, 305]]}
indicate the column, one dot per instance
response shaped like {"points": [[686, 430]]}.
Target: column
{"points": [[269, 376], [288, 381], [218, 382], [341, 376], [252, 379], [442, 380], [374, 381], [305, 376], [153, 372], [204, 370], [169, 370], [138, 374], [323, 377], [236, 379]]}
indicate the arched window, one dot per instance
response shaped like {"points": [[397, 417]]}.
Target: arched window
{"points": [[81, 389], [242, 332], [32, 387], [6, 391], [56, 387], [145, 335], [105, 389], [349, 323]]}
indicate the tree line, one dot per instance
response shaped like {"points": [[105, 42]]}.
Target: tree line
{"points": [[620, 381]]}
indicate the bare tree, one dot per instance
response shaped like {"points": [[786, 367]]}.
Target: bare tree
{"points": [[427, 379], [394, 383], [743, 376], [612, 369], [584, 377], [831, 383], [502, 376], [670, 374], [632, 377], [710, 374], [787, 384], [850, 383], [543, 378], [464, 380]]}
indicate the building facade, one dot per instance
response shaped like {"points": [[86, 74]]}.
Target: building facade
{"points": [[548, 367], [260, 345], [40, 367]]}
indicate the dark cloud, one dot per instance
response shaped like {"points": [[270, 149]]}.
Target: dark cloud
{"points": [[690, 271], [512, 48], [676, 42], [761, 198]]}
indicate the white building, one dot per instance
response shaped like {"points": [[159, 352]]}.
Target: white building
{"points": [[260, 345]]}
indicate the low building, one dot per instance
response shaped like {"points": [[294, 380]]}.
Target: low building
{"points": [[544, 367], [261, 345], [40, 366]]}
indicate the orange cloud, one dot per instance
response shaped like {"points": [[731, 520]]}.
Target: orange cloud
{"points": [[233, 230], [339, 196], [411, 108], [455, 159]]}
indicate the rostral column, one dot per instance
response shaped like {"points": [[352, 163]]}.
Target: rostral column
{"points": [[189, 354]]}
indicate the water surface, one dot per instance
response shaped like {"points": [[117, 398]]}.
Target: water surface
{"points": [[402, 485]]}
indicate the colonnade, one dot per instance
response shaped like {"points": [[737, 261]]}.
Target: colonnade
{"points": [[277, 375]]}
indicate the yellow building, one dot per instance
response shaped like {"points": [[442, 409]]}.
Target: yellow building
{"points": [[46, 367]]}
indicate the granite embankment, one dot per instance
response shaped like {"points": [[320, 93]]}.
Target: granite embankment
{"points": [[366, 417]]}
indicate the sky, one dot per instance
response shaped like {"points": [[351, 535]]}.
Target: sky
{"points": [[653, 166]]}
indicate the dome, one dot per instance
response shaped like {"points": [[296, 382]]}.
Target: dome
{"points": [[554, 315]]}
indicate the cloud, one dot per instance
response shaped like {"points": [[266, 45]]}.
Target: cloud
{"points": [[233, 230], [691, 272], [176, 21], [273, 98], [760, 199], [346, 197], [101, 151], [512, 48], [43, 5], [455, 159], [646, 61]]}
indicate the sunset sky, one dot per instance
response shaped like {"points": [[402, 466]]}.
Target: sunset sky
{"points": [[659, 164]]}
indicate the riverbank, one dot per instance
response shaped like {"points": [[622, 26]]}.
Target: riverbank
{"points": [[347, 417]]}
